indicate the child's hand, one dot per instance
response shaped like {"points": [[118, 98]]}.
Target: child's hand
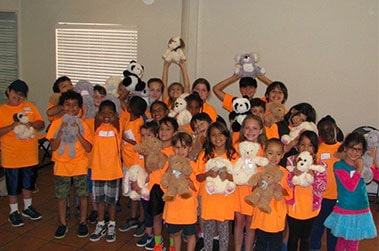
{"points": [[359, 164], [134, 186]]}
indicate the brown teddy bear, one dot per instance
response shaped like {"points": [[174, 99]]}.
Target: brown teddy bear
{"points": [[276, 112], [267, 186], [151, 150], [176, 178]]}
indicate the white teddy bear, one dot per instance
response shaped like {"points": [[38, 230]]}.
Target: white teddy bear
{"points": [[23, 130], [295, 131], [247, 164], [135, 174], [304, 163], [180, 112], [216, 185], [174, 52]]}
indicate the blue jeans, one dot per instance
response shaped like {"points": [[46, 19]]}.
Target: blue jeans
{"points": [[319, 228]]}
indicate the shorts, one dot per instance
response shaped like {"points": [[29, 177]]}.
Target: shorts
{"points": [[63, 185], [106, 191], [188, 229], [156, 203], [20, 178]]}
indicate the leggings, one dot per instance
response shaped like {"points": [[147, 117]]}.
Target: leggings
{"points": [[223, 231], [299, 230], [346, 245]]}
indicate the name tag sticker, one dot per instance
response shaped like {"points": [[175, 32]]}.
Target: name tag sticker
{"points": [[325, 156]]}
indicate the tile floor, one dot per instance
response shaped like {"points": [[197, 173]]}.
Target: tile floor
{"points": [[39, 235]]}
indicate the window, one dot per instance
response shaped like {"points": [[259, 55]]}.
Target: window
{"points": [[94, 52], [8, 51]]}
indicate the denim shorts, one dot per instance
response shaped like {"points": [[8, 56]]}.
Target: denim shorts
{"points": [[20, 178]]}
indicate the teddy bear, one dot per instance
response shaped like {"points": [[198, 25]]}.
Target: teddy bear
{"points": [[137, 174], [22, 130], [85, 89], [174, 52], [111, 85], [151, 150], [180, 112], [176, 178], [69, 134], [247, 66], [267, 187], [304, 164], [247, 163], [369, 172], [276, 112], [241, 107], [295, 131], [132, 78], [216, 185]]}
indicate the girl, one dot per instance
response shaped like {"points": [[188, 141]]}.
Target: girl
{"points": [[306, 202], [155, 89], [276, 92], [158, 110], [351, 219], [216, 209], [203, 88], [252, 130]]}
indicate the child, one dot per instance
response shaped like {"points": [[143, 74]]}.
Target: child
{"points": [[158, 110], [306, 202], [258, 107], [194, 103], [156, 87], [217, 209], [180, 214], [19, 156], [61, 85], [328, 147], [106, 169], [269, 228], [252, 130], [203, 88], [99, 93], [276, 92], [351, 219], [68, 168]]}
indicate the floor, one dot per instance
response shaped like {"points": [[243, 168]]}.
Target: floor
{"points": [[39, 235]]}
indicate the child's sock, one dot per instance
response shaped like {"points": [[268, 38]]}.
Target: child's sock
{"points": [[111, 222], [27, 203], [158, 239], [201, 235], [14, 207], [101, 223], [171, 242]]}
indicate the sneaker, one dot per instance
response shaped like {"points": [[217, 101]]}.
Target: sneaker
{"points": [[31, 213], [146, 239], [159, 247], [130, 224], [82, 230], [111, 234], [15, 219], [150, 245], [140, 230], [199, 244], [61, 232], [92, 217], [99, 232]]}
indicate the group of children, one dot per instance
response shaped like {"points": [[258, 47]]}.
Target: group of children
{"points": [[104, 152]]}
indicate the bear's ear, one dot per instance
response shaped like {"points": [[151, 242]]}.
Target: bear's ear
{"points": [[234, 99], [246, 97], [182, 44]]}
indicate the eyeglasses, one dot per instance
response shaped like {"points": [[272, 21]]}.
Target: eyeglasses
{"points": [[355, 149]]}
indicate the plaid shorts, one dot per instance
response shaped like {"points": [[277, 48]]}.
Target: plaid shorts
{"points": [[106, 191], [63, 185]]}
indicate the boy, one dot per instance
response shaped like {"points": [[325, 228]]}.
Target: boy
{"points": [[19, 156], [258, 107], [61, 85], [68, 168]]}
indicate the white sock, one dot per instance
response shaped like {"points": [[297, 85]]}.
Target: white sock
{"points": [[201, 235], [101, 223], [14, 207], [27, 203], [110, 223]]}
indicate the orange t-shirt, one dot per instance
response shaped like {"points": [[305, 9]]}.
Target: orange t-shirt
{"points": [[65, 165], [227, 103], [210, 110], [182, 211], [242, 191], [326, 154], [156, 176], [16, 153], [106, 162], [276, 220], [218, 207], [302, 209], [272, 131]]}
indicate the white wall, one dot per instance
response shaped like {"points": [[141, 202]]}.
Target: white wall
{"points": [[326, 52]]}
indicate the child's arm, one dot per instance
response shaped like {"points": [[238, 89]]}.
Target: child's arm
{"points": [[265, 80], [55, 142], [201, 177], [166, 65], [186, 82], [218, 89], [38, 124], [4, 130], [55, 111]]}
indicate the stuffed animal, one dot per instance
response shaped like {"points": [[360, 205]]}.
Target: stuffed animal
{"points": [[180, 112], [137, 174], [176, 178], [151, 150], [241, 107], [22, 130], [85, 89], [267, 187], [69, 134], [276, 112], [132, 78], [295, 131], [111, 85], [369, 173], [247, 164], [216, 185], [304, 164], [174, 52], [247, 66]]}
